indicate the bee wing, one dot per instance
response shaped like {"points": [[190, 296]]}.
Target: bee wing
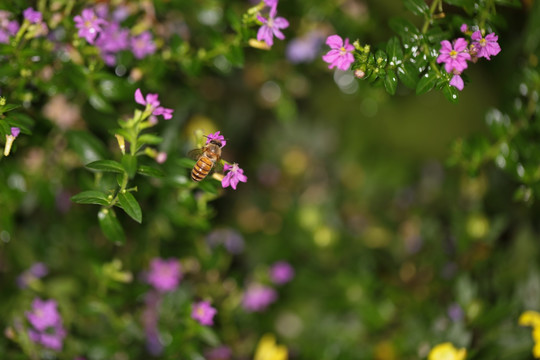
{"points": [[195, 154]]}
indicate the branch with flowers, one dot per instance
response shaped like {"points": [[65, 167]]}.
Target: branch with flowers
{"points": [[415, 57]]}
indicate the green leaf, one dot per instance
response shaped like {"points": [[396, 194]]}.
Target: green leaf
{"points": [[435, 35], [186, 163], [91, 197], [408, 74], [426, 82], [404, 28], [110, 226], [451, 93], [149, 139], [99, 103], [130, 206], [150, 171], [8, 107], [209, 186], [394, 51], [4, 129], [511, 3], [86, 145], [390, 82], [417, 7], [106, 166], [129, 162]]}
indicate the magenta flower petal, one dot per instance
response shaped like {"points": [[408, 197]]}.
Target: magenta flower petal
{"points": [[235, 174], [219, 138], [164, 274], [139, 98], [457, 82], [15, 131], [340, 55], [334, 41], [203, 313]]}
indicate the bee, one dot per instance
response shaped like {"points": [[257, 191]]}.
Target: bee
{"points": [[208, 157]]}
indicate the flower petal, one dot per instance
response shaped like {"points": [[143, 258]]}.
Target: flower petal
{"points": [[139, 99], [334, 41]]}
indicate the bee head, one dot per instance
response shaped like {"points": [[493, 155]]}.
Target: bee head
{"points": [[216, 142]]}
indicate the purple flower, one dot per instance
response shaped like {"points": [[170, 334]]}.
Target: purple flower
{"points": [[455, 312], [231, 239], [143, 45], [457, 82], [89, 25], [36, 271], [281, 272], [161, 157], [164, 275], [271, 27], [165, 112], [216, 137], [52, 338], [454, 58], [151, 100], [485, 47], [464, 28], [15, 131], [234, 175], [203, 313], [219, 353], [341, 54], [44, 314], [257, 297], [32, 15], [305, 48], [113, 38]]}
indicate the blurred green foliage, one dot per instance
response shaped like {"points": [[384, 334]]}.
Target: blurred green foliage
{"points": [[410, 221]]}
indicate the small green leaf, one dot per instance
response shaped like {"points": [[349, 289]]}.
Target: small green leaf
{"points": [[186, 163], [381, 58], [149, 139], [209, 186], [91, 197], [404, 28], [394, 51], [426, 82], [390, 82], [129, 162], [408, 74], [106, 166], [86, 145], [8, 107], [130, 206], [111, 226], [99, 103], [417, 7], [451, 93], [150, 171]]}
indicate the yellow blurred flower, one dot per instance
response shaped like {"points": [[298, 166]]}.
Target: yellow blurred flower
{"points": [[447, 351], [267, 349], [532, 318]]}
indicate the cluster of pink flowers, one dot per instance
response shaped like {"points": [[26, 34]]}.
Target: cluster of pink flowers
{"points": [[272, 25], [234, 174], [8, 28], [258, 297], [341, 53], [455, 55], [47, 328], [102, 29]]}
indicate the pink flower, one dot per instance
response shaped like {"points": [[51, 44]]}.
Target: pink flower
{"points": [[281, 272], [164, 275], [15, 131], [271, 27], [165, 112], [341, 54], [32, 15], [257, 297], [150, 99], [216, 137], [485, 47], [234, 175], [143, 45], [44, 314], [454, 58], [203, 313], [89, 25], [463, 28], [457, 82]]}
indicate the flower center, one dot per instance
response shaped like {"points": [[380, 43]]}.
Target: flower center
{"points": [[482, 42], [453, 53], [342, 50]]}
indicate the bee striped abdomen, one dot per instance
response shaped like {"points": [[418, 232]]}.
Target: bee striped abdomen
{"points": [[201, 168]]}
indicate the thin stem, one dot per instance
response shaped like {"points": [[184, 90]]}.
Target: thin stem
{"points": [[429, 18]]}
